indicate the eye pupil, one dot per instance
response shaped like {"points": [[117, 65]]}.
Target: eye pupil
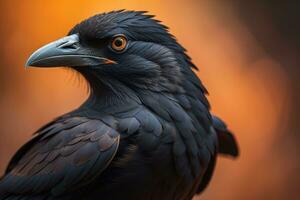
{"points": [[119, 42]]}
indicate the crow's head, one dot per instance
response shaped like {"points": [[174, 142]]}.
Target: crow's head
{"points": [[128, 47]]}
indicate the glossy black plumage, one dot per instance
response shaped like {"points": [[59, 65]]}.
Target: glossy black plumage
{"points": [[145, 132]]}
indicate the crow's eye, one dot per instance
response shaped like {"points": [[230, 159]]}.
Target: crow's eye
{"points": [[119, 43]]}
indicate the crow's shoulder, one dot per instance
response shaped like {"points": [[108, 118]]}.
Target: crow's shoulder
{"points": [[63, 155]]}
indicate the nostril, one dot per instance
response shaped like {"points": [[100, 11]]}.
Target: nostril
{"points": [[68, 45], [72, 46]]}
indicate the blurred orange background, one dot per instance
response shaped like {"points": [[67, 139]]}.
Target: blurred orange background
{"points": [[251, 86]]}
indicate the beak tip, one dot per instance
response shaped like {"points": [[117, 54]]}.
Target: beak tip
{"points": [[28, 64]]}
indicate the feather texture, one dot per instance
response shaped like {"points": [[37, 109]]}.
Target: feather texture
{"points": [[145, 132]]}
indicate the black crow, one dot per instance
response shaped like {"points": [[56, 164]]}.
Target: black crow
{"points": [[145, 132]]}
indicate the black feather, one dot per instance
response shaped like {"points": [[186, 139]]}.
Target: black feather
{"points": [[145, 132]]}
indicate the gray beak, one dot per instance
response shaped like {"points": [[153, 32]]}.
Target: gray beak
{"points": [[66, 51]]}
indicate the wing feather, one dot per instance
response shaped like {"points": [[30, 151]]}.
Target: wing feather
{"points": [[62, 156]]}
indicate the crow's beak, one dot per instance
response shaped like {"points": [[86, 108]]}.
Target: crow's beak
{"points": [[66, 51]]}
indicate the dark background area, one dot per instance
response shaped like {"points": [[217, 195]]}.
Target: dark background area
{"points": [[276, 26], [248, 56]]}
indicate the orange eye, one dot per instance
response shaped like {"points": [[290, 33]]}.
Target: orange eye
{"points": [[119, 43]]}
